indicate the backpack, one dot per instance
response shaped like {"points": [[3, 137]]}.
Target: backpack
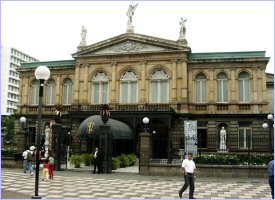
{"points": [[51, 160], [29, 157]]}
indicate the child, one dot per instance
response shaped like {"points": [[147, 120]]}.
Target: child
{"points": [[45, 172], [51, 160]]}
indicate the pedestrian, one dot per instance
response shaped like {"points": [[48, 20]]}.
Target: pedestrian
{"points": [[97, 161], [30, 160], [51, 161], [271, 176], [188, 169], [25, 162], [45, 171]]}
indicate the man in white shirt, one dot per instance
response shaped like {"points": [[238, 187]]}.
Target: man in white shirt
{"points": [[25, 162], [188, 169], [96, 161]]}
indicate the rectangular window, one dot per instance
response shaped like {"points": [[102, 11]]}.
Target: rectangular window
{"points": [[35, 95], [100, 92], [244, 91], [245, 138], [201, 92], [51, 95]]}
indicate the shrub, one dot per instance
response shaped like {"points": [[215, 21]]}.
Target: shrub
{"points": [[233, 159], [8, 150], [115, 163], [87, 159], [132, 159], [124, 160], [76, 160]]}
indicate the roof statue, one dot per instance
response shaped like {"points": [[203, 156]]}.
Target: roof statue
{"points": [[182, 38], [82, 44], [83, 34], [130, 13]]}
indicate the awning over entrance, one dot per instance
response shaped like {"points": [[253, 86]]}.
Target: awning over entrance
{"points": [[90, 128]]}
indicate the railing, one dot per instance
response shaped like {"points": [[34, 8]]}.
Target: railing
{"points": [[49, 109]]}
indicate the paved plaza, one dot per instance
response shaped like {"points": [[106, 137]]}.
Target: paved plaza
{"points": [[83, 184]]}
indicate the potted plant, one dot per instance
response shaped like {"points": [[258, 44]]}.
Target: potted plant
{"points": [[76, 160], [87, 159]]}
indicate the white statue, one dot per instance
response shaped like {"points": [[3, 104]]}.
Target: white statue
{"points": [[182, 25], [83, 33], [131, 12], [223, 138]]}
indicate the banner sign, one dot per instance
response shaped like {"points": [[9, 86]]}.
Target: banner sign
{"points": [[190, 136]]}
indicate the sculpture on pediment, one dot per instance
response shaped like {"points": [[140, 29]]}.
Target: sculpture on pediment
{"points": [[83, 34], [182, 26], [131, 12]]}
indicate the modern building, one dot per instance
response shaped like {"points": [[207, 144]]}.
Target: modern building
{"points": [[144, 76], [11, 58]]}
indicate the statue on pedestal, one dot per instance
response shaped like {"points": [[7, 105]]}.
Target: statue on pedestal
{"points": [[223, 138], [131, 12], [83, 34]]}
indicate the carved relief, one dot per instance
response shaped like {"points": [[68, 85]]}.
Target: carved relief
{"points": [[129, 46]]}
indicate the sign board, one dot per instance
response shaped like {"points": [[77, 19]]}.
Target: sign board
{"points": [[190, 136]]}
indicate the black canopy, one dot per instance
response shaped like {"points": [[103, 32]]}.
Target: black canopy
{"points": [[90, 128]]}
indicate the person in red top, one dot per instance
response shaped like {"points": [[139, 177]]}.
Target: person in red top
{"points": [[45, 172]]}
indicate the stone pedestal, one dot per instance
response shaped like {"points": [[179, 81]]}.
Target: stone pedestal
{"points": [[130, 29], [21, 139], [106, 141], [222, 151], [145, 153]]}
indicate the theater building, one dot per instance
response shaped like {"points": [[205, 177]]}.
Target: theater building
{"points": [[144, 76]]}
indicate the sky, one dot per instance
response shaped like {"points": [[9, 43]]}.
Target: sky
{"points": [[51, 30]]}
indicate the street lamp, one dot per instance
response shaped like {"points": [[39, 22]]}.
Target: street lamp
{"points": [[269, 125], [145, 121], [42, 73], [22, 122]]}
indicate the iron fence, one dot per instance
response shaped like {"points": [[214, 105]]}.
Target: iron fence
{"points": [[251, 149]]}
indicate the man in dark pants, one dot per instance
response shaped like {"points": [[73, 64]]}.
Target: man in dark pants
{"points": [[271, 176], [97, 161], [188, 169]]}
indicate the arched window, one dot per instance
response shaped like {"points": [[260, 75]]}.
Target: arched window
{"points": [[67, 92], [201, 90], [51, 92], [100, 88], [222, 86], [129, 87], [244, 87], [159, 87], [35, 92]]}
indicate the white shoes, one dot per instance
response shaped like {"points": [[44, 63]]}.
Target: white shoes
{"points": [[24, 174], [31, 173]]}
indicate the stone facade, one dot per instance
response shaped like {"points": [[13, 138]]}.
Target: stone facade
{"points": [[150, 58]]}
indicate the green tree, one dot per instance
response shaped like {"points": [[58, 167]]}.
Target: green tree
{"points": [[8, 123]]}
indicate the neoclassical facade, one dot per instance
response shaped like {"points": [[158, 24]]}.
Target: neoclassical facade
{"points": [[140, 75]]}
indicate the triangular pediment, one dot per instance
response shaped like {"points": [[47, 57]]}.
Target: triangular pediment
{"points": [[130, 43]]}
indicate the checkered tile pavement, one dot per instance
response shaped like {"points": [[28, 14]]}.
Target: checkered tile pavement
{"points": [[68, 185]]}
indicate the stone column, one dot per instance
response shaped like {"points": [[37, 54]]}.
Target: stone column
{"points": [[113, 98], [184, 85], [255, 84], [145, 153], [143, 82], [233, 95], [85, 89], [174, 80], [76, 85], [211, 85], [58, 91]]}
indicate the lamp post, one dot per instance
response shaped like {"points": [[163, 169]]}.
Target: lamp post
{"points": [[22, 122], [42, 73], [145, 121], [269, 125]]}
